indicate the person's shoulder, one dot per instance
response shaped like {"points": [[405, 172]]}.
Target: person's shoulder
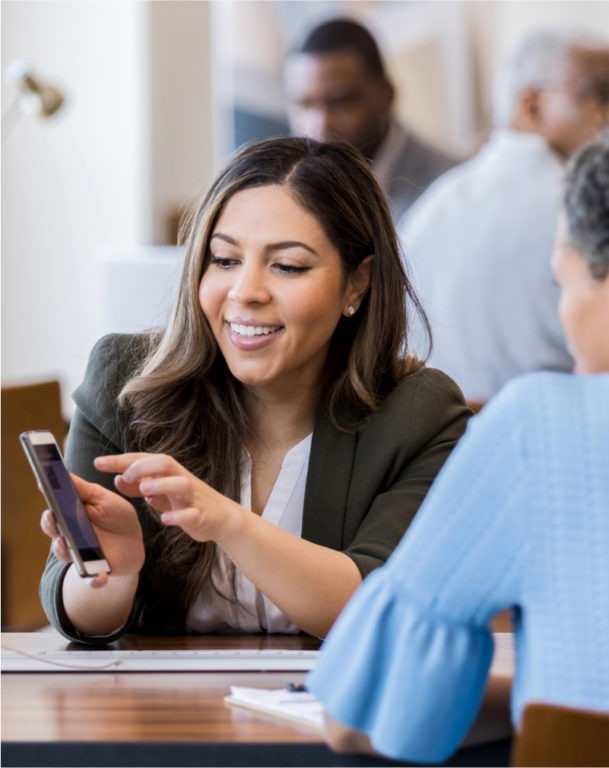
{"points": [[122, 352], [425, 400], [120, 344], [557, 391], [426, 382], [548, 384], [431, 154], [550, 414], [441, 193], [535, 398], [113, 359]]}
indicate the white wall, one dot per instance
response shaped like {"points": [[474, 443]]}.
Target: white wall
{"points": [[180, 120], [515, 17], [70, 182], [130, 145]]}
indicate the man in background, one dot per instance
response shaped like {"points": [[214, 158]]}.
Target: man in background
{"points": [[479, 242], [337, 88]]}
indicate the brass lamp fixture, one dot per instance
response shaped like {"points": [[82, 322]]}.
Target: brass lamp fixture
{"points": [[33, 98]]}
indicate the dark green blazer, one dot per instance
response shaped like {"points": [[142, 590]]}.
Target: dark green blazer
{"points": [[363, 488]]}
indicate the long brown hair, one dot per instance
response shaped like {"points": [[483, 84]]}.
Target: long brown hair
{"points": [[185, 402]]}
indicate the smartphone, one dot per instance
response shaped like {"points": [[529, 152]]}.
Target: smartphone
{"points": [[56, 484]]}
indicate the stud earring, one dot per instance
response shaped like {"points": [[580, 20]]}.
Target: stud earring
{"points": [[350, 311]]}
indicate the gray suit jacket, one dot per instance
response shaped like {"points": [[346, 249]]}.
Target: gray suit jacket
{"points": [[363, 488], [412, 170]]}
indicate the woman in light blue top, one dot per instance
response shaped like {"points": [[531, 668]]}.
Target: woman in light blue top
{"points": [[404, 669]]}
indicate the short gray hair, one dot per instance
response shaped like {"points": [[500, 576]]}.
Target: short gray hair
{"points": [[586, 203], [538, 60]]}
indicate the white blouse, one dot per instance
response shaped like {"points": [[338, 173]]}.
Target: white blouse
{"points": [[218, 608]]}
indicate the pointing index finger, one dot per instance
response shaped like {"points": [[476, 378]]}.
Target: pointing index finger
{"points": [[137, 466], [118, 462]]}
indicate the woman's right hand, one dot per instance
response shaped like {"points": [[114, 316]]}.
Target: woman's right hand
{"points": [[117, 527]]}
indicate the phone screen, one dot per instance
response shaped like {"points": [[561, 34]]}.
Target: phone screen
{"points": [[68, 501]]}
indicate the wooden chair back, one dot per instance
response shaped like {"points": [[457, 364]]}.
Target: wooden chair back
{"points": [[560, 736], [24, 547]]}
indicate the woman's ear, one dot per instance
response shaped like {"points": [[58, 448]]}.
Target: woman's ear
{"points": [[358, 285]]}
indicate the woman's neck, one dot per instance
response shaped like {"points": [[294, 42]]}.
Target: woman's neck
{"points": [[280, 423]]}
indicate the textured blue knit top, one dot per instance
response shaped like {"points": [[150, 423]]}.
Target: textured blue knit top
{"points": [[518, 518]]}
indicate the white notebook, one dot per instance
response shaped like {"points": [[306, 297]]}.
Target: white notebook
{"points": [[298, 707]]}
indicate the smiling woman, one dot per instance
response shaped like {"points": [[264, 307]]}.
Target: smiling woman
{"points": [[276, 439], [275, 291]]}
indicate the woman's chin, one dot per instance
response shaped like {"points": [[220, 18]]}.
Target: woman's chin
{"points": [[253, 379]]}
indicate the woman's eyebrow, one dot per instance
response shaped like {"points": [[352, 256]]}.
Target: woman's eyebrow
{"points": [[280, 246], [226, 238], [285, 244]]}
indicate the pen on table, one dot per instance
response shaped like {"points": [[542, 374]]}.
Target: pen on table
{"points": [[296, 688]]}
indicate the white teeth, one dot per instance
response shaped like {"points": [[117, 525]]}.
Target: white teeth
{"points": [[252, 330]]}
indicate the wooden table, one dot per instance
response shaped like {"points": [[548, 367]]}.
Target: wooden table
{"points": [[163, 718]]}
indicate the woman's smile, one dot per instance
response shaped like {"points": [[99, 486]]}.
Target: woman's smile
{"points": [[250, 336]]}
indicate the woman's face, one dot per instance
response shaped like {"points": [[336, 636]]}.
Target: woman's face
{"points": [[274, 291], [583, 307]]}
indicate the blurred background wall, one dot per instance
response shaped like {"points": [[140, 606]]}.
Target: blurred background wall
{"points": [[157, 96]]}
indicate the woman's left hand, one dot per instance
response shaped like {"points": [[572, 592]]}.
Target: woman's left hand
{"points": [[180, 497]]}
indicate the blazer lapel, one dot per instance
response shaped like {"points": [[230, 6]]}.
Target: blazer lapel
{"points": [[328, 483]]}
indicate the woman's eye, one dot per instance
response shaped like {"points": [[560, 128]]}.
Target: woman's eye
{"points": [[222, 262], [290, 269]]}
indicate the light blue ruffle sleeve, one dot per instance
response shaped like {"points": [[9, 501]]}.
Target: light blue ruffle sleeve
{"points": [[415, 706]]}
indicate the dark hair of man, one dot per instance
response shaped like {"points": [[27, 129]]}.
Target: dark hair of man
{"points": [[185, 402], [586, 203], [345, 35]]}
